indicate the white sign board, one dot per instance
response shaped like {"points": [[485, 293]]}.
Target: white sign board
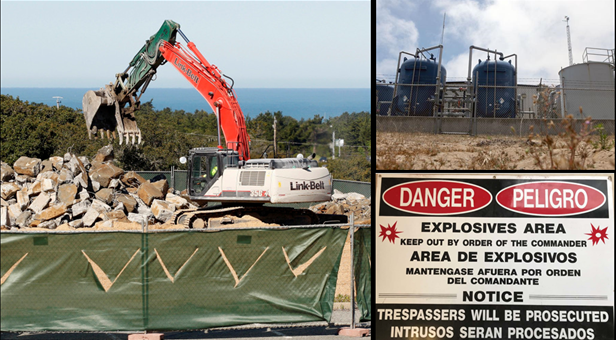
{"points": [[494, 257]]}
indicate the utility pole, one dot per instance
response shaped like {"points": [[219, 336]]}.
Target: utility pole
{"points": [[275, 148], [569, 41], [334, 144]]}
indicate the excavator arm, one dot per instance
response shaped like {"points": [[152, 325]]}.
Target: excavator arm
{"points": [[112, 107]]}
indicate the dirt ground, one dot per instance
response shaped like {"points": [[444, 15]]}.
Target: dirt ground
{"points": [[417, 151]]}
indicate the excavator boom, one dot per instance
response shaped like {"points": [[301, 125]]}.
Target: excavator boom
{"points": [[113, 106]]}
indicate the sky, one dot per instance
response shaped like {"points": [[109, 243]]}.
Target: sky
{"points": [[534, 30], [270, 44]]}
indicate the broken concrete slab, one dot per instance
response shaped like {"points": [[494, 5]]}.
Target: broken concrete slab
{"points": [[162, 210], [6, 172], [46, 165], [179, 202], [9, 190], [22, 198], [48, 185], [27, 166], [129, 202], [23, 220], [23, 179], [162, 185], [51, 212], [66, 176], [56, 162], [35, 188], [138, 218], [14, 212], [76, 223], [90, 217], [80, 208], [104, 173], [100, 206], [40, 203], [4, 217], [105, 195], [148, 192], [50, 224], [66, 193], [132, 179], [104, 154]]}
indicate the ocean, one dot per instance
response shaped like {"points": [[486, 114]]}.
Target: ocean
{"points": [[297, 103]]}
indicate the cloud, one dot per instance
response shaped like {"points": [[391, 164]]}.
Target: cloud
{"points": [[534, 30], [394, 33]]}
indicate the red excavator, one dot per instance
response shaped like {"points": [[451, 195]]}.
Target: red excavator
{"points": [[215, 174]]}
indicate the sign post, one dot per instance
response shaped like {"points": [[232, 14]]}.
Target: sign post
{"points": [[479, 256]]}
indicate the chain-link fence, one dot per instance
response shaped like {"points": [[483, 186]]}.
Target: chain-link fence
{"points": [[491, 109], [173, 280]]}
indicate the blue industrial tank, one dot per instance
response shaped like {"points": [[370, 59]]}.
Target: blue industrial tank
{"points": [[495, 102], [384, 94], [415, 100]]}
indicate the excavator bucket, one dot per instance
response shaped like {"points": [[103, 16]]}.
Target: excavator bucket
{"points": [[104, 116]]}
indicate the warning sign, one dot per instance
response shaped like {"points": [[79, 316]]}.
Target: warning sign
{"points": [[494, 257]]}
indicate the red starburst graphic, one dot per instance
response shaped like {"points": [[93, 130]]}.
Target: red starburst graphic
{"points": [[389, 233], [597, 234]]}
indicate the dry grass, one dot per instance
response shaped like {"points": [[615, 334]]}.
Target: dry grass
{"points": [[420, 151]]}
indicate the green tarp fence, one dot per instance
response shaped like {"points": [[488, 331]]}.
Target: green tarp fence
{"points": [[167, 280], [363, 275]]}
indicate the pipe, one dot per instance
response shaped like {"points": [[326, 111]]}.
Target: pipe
{"points": [[470, 57], [516, 81], [397, 73]]}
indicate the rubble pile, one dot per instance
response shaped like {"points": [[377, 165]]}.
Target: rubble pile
{"points": [[71, 192], [348, 203]]}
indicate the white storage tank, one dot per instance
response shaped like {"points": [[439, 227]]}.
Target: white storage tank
{"points": [[589, 85]]}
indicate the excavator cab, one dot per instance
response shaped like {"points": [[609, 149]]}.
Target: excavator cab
{"points": [[206, 166]]}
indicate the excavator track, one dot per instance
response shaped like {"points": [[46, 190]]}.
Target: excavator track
{"points": [[230, 216]]}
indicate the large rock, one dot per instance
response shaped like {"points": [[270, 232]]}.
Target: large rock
{"points": [[6, 172], [80, 208], [105, 195], [9, 190], [27, 166], [104, 173], [51, 212], [40, 203], [116, 215], [48, 185], [148, 193], [179, 202], [56, 162], [35, 188], [162, 210], [14, 212], [46, 165], [138, 218], [76, 223], [23, 220], [66, 176], [129, 202], [104, 154], [66, 193], [100, 206], [90, 217], [162, 185], [23, 179], [132, 179], [22, 198], [4, 217]]}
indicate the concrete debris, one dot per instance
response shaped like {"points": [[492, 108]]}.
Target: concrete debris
{"points": [[6, 172], [347, 204], [9, 190], [70, 193], [148, 192], [27, 166], [132, 179], [40, 203], [66, 193]]}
